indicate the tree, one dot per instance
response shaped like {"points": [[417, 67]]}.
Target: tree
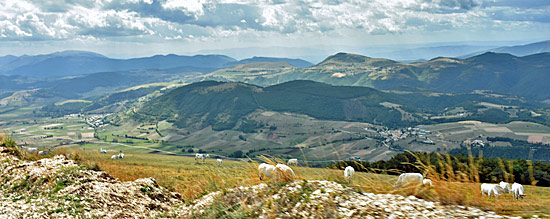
{"points": [[237, 154]]}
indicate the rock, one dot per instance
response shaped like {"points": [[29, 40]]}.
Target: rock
{"points": [[59, 188], [345, 203]]}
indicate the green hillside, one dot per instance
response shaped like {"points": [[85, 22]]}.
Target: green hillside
{"points": [[502, 73], [120, 98], [222, 105]]}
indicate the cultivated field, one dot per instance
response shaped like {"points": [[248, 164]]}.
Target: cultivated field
{"points": [[292, 136]]}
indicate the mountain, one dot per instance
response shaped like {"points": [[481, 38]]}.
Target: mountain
{"points": [[525, 76], [224, 105], [15, 82], [7, 59], [300, 63], [427, 53], [520, 50], [310, 54], [70, 63], [527, 49]]}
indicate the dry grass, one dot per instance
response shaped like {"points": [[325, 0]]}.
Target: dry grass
{"points": [[462, 187], [192, 180]]}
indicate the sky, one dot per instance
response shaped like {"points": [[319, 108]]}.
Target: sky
{"points": [[134, 28]]}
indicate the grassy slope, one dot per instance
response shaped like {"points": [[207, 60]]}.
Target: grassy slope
{"points": [[193, 180]]}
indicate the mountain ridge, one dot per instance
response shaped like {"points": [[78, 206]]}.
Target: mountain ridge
{"points": [[223, 104], [499, 72], [517, 50]]}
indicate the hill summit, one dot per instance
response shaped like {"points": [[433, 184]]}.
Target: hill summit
{"points": [[348, 58]]}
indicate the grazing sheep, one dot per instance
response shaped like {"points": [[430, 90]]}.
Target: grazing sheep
{"points": [[409, 178], [219, 162], [114, 157], [31, 150], [44, 152], [201, 157], [267, 170], [120, 155], [285, 172], [506, 187], [517, 191], [102, 151], [348, 172], [491, 189], [427, 182], [292, 161]]}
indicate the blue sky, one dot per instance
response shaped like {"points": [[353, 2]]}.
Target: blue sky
{"points": [[130, 28]]}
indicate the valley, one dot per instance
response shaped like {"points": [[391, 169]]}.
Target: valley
{"points": [[177, 110], [275, 109], [161, 119]]}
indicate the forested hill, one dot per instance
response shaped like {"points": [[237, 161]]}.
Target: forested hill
{"points": [[223, 104]]}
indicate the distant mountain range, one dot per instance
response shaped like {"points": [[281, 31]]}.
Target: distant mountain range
{"points": [[526, 76], [69, 63], [398, 52], [81, 74], [426, 53], [520, 50], [295, 62]]}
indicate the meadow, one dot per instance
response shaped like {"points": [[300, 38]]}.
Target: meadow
{"points": [[191, 179]]}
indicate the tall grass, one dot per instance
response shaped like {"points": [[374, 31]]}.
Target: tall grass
{"points": [[451, 186], [462, 186]]}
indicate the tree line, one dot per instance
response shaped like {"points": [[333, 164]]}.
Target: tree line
{"points": [[460, 166]]}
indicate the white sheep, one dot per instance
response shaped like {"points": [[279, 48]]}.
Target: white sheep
{"points": [[219, 162], [491, 190], [348, 172], [505, 187], [101, 150], [201, 157], [517, 191], [267, 170], [44, 152], [409, 178], [114, 157], [31, 150], [120, 155], [292, 161], [427, 182], [285, 172]]}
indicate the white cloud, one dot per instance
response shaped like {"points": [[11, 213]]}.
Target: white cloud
{"points": [[189, 6], [205, 20]]}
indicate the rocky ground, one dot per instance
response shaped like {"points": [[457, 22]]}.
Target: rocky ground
{"points": [[320, 199], [59, 188]]}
